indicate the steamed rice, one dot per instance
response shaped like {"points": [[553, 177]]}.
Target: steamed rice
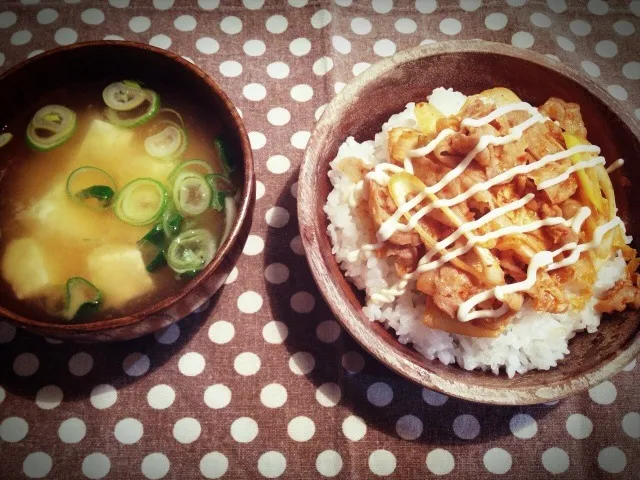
{"points": [[533, 340]]}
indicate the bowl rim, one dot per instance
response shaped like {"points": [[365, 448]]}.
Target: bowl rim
{"points": [[352, 320], [243, 213]]}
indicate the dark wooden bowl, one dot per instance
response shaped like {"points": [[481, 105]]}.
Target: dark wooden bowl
{"points": [[468, 66], [51, 73]]}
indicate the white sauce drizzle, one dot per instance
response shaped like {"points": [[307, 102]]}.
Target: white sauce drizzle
{"points": [[615, 165], [574, 168]]}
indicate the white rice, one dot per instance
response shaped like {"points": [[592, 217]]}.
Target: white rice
{"points": [[532, 341]]}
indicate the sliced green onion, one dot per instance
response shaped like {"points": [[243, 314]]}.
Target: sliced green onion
{"points": [[91, 186], [195, 165], [191, 251], [224, 154], [191, 193], [171, 223], [140, 202], [123, 96], [169, 143], [136, 116], [80, 296], [152, 248], [221, 188], [172, 112], [50, 127], [5, 138]]}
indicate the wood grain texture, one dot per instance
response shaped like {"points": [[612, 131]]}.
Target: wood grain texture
{"points": [[470, 67], [39, 78]]}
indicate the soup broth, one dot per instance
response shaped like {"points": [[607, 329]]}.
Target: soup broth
{"points": [[52, 231]]}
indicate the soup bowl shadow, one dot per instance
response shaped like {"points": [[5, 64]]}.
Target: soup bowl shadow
{"points": [[52, 75], [469, 67], [364, 382]]}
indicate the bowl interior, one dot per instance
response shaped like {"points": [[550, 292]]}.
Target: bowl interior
{"points": [[53, 76], [360, 112]]}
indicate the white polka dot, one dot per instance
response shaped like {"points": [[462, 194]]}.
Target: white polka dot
{"points": [[450, 26], [409, 427], [319, 111], [466, 427], [302, 93], [300, 139], [598, 7], [277, 217], [406, 25], [634, 6], [254, 245], [631, 70], [92, 16], [497, 460], [253, 4], [329, 463], [214, 465], [321, 19], [302, 302], [354, 428], [217, 396], [7, 331], [277, 273], [516, 3], [617, 92], [155, 466], [49, 397], [631, 424], [522, 39], [558, 6], [103, 396], [208, 4], [37, 465], [221, 332], [249, 302], [382, 6], [163, 4], [260, 190], [426, 6], [579, 426], [254, 48], [46, 16], [555, 460], [382, 462], [523, 426], [278, 116], [185, 23], [80, 364], [301, 429], [161, 397], [119, 3], [328, 394], [96, 465], [294, 189], [343, 3], [72, 430], [433, 398], [339, 86], [257, 140], [496, 21], [113, 37], [26, 364], [633, 362], [278, 70], [301, 363], [591, 68], [247, 364], [380, 394], [606, 49], [612, 460], [167, 335], [470, 5], [13, 429], [440, 461], [244, 430], [160, 41], [254, 92], [384, 48], [565, 44], [191, 364], [207, 45], [277, 24], [624, 28], [273, 395], [186, 430], [300, 47], [21, 37], [296, 245], [352, 362], [341, 44], [136, 364], [580, 28], [272, 464], [360, 26], [231, 25], [604, 394], [328, 331], [128, 431], [540, 20], [8, 19]]}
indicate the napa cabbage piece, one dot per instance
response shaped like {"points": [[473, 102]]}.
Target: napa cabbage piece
{"points": [[119, 272], [26, 268]]}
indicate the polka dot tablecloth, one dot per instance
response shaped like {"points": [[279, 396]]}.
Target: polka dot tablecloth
{"points": [[262, 381]]}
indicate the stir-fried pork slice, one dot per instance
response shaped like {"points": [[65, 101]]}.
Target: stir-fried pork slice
{"points": [[405, 258], [566, 114], [623, 293], [558, 235], [548, 295], [448, 287], [381, 207]]}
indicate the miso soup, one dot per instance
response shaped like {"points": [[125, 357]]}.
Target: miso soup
{"points": [[112, 200]]}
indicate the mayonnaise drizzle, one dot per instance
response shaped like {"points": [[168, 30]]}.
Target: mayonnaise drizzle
{"points": [[615, 165]]}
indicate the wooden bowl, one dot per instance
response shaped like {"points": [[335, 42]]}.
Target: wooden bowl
{"points": [[49, 75], [468, 66]]}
